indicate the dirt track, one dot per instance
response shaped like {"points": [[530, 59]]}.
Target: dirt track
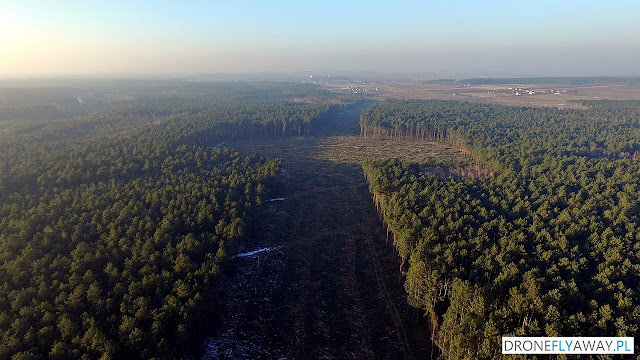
{"points": [[333, 290]]}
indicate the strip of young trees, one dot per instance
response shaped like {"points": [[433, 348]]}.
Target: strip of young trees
{"points": [[547, 247]]}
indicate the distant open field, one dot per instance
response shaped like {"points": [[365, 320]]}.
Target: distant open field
{"points": [[508, 94]]}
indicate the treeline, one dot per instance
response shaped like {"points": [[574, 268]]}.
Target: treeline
{"points": [[194, 121], [252, 119], [47, 100], [547, 247], [114, 228], [509, 137]]}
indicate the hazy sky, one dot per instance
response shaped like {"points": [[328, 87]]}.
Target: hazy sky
{"points": [[499, 38]]}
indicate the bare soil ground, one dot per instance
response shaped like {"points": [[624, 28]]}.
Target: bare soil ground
{"points": [[356, 149], [496, 93], [332, 291]]}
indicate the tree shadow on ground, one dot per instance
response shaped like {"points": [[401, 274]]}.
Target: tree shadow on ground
{"points": [[332, 289]]}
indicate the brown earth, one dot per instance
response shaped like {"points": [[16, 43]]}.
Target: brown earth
{"points": [[332, 290]]}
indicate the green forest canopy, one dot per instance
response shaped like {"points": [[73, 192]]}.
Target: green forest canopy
{"points": [[114, 225], [548, 247]]}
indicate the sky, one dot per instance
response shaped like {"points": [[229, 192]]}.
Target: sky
{"points": [[432, 38]]}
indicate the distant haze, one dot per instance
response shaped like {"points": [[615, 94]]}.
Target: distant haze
{"points": [[434, 38]]}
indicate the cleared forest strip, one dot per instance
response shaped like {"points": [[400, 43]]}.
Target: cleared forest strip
{"points": [[335, 292], [356, 149], [382, 286]]}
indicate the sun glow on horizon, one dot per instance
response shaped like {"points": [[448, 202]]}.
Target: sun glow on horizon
{"points": [[571, 38]]}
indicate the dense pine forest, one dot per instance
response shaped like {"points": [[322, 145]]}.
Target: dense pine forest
{"points": [[115, 223], [122, 202], [547, 246]]}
